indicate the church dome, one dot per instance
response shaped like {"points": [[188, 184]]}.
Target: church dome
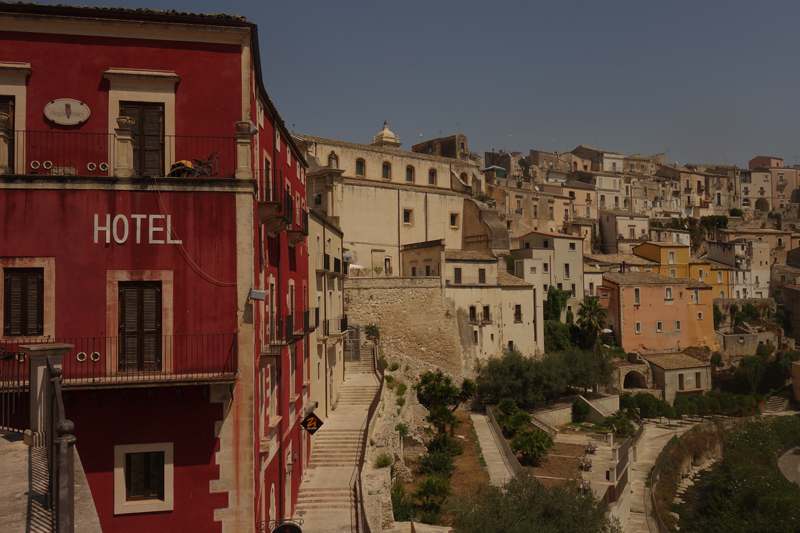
{"points": [[386, 138]]}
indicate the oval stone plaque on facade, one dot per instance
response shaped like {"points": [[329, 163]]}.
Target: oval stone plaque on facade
{"points": [[66, 111]]}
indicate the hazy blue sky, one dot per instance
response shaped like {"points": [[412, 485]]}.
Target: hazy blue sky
{"points": [[707, 81]]}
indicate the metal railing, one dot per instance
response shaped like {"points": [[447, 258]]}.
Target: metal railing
{"points": [[326, 265], [60, 450], [337, 325], [14, 391], [361, 524], [197, 156], [107, 361], [269, 185], [63, 153], [301, 220], [337, 265]]}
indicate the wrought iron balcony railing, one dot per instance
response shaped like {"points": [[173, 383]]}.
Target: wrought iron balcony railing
{"points": [[143, 360]]}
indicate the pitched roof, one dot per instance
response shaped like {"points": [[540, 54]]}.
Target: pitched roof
{"points": [[507, 280], [761, 231], [589, 269], [468, 255], [615, 259], [675, 361], [693, 283], [35, 7], [641, 278], [550, 234], [665, 244]]}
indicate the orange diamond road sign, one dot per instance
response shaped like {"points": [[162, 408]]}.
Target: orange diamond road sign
{"points": [[311, 423]]}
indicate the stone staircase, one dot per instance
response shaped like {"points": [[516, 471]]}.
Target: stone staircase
{"points": [[325, 501], [776, 403], [360, 367]]}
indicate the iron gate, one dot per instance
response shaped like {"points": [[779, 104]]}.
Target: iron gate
{"points": [[352, 343], [14, 391]]}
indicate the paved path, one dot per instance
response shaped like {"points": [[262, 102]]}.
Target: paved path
{"points": [[325, 502], [655, 438], [496, 463], [23, 486], [789, 464]]}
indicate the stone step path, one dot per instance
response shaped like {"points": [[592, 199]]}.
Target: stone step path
{"points": [[326, 502], [776, 404]]}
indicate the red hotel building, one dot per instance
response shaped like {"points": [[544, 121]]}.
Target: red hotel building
{"points": [[147, 185]]}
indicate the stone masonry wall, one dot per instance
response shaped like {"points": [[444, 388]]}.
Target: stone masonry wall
{"points": [[413, 316]]}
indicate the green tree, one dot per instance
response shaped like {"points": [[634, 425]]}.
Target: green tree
{"points": [[432, 492], [441, 398], [753, 368], [587, 369], [719, 317], [525, 505], [532, 444], [510, 417], [511, 375], [591, 318], [556, 300]]}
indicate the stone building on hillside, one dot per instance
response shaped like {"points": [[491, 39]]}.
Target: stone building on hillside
{"points": [[452, 147], [383, 197]]}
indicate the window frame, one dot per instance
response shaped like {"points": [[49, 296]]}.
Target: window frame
{"points": [[431, 177], [410, 174], [47, 264], [659, 326], [408, 217], [25, 306], [638, 328], [363, 164], [386, 171], [121, 503]]}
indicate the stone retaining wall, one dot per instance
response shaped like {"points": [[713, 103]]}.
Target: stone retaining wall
{"points": [[414, 318]]}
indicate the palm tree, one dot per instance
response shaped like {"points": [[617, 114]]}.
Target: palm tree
{"points": [[591, 318]]}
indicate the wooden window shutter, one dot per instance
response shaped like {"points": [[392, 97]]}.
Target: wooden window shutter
{"points": [[148, 136], [24, 302], [7, 106], [140, 326]]}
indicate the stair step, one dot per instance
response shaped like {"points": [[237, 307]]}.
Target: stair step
{"points": [[325, 506]]}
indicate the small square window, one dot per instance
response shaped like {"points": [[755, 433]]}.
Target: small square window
{"points": [[143, 478], [318, 199], [572, 247], [699, 316], [659, 326], [453, 220]]}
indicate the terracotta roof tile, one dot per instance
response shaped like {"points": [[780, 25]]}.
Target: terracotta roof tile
{"points": [[675, 361], [468, 255], [641, 278], [507, 280]]}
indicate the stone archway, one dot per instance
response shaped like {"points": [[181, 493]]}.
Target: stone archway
{"points": [[762, 204], [634, 380]]}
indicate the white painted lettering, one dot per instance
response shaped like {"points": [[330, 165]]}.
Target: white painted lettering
{"points": [[170, 240], [155, 229], [106, 228], [117, 238], [138, 219]]}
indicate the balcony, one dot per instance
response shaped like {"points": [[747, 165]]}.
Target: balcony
{"points": [[486, 318], [517, 318], [337, 266], [337, 326], [300, 325], [108, 362], [274, 205], [299, 227], [278, 333], [76, 153], [518, 211]]}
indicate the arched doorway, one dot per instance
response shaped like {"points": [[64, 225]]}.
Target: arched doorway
{"points": [[762, 204], [635, 380]]}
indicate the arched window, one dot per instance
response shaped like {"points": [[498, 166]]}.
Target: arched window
{"points": [[387, 171], [431, 177], [410, 174], [360, 167]]}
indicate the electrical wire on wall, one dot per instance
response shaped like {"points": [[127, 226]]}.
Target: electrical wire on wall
{"points": [[192, 263]]}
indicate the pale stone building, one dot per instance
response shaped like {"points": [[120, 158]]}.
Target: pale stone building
{"points": [[383, 197], [326, 312], [621, 231]]}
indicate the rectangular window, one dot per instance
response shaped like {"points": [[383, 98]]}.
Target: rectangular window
{"points": [[668, 293], [457, 276], [359, 168], [517, 313], [535, 211], [551, 214], [23, 305], [487, 316], [573, 291], [144, 476], [453, 220], [566, 270], [473, 314], [546, 268], [699, 316], [636, 296], [719, 276], [148, 136], [481, 275], [572, 247], [475, 336], [407, 216], [671, 257], [431, 177], [638, 327], [7, 107], [139, 326], [673, 273], [681, 384], [318, 199], [659, 326], [409, 174], [677, 325], [697, 381]]}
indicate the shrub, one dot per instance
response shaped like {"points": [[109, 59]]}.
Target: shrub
{"points": [[372, 330], [400, 505], [432, 492], [436, 463], [580, 410], [716, 359], [735, 212], [401, 402], [445, 444], [510, 417], [401, 389], [383, 362], [619, 423], [764, 351], [402, 429], [383, 460], [626, 401], [532, 444], [647, 404], [394, 367], [388, 379]]}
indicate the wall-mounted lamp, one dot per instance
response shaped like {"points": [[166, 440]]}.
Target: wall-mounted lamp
{"points": [[254, 294], [289, 468], [296, 454]]}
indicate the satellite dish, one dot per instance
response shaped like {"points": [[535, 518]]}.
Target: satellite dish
{"points": [[536, 187]]}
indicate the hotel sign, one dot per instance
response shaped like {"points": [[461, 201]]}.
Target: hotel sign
{"points": [[67, 111]]}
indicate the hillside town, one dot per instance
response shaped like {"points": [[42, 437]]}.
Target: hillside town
{"points": [[213, 322]]}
